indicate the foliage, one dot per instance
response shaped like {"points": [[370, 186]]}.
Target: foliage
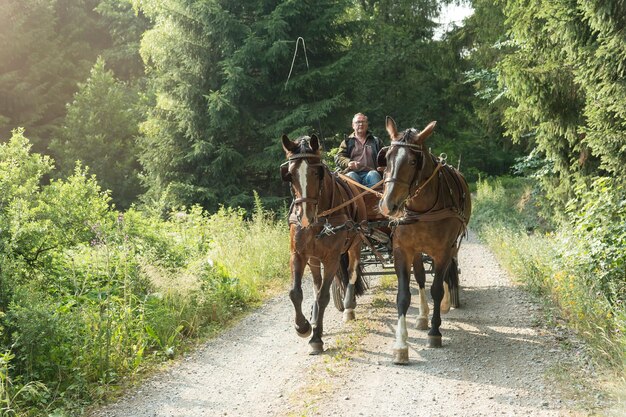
{"points": [[598, 221], [90, 296], [510, 201], [100, 130], [580, 266], [565, 88], [45, 48]]}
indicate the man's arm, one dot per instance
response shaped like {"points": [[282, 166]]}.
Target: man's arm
{"points": [[342, 159]]}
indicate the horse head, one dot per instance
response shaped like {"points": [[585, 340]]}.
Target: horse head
{"points": [[404, 162], [305, 172]]}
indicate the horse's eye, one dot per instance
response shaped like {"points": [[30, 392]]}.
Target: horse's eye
{"points": [[413, 162]]}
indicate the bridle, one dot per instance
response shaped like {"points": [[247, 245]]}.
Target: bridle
{"points": [[305, 157], [413, 184], [417, 149]]}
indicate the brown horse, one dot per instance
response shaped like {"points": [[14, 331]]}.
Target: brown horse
{"points": [[324, 225], [430, 204]]}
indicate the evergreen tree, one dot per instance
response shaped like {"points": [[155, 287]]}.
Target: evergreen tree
{"points": [[125, 26], [100, 130], [565, 78], [219, 69], [46, 47], [394, 62], [477, 47]]}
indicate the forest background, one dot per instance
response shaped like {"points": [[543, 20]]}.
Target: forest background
{"points": [[174, 109]]}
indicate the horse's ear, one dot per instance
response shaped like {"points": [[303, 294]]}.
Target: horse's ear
{"points": [[381, 158], [314, 142], [428, 130], [284, 172], [288, 145], [391, 127]]}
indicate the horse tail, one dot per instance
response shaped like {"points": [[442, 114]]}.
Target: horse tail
{"points": [[360, 286], [453, 273]]}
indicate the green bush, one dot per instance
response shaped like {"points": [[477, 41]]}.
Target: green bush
{"points": [[90, 295], [579, 267]]}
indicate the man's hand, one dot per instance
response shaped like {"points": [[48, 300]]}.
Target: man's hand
{"points": [[353, 165]]}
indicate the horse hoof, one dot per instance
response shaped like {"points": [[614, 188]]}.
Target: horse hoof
{"points": [[401, 356], [434, 341], [348, 315], [445, 309], [421, 323], [306, 333], [315, 348]]}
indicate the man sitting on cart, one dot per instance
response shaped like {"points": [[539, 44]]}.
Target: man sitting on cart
{"points": [[357, 154]]}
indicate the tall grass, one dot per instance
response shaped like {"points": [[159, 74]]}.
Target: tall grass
{"points": [[137, 293], [563, 263]]}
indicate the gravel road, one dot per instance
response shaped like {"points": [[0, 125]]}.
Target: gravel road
{"points": [[496, 360]]}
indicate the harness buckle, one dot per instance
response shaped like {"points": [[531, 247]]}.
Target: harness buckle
{"points": [[327, 229]]}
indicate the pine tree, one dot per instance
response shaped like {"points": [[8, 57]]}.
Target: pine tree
{"points": [[100, 131], [219, 69], [566, 81]]}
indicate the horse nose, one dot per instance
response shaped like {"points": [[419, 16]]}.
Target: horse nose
{"points": [[386, 208]]}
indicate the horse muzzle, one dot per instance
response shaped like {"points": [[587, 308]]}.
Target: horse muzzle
{"points": [[390, 205]]}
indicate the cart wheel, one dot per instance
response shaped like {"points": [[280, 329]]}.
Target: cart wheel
{"points": [[338, 291]]}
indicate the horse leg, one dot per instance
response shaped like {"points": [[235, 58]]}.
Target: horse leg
{"points": [[322, 297], [445, 302], [302, 325], [420, 276], [349, 301], [317, 283], [437, 291], [402, 263]]}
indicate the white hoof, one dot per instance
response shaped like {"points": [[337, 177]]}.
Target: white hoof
{"points": [[401, 356], [348, 315]]}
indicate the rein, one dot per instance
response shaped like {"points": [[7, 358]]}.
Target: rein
{"points": [[353, 199]]}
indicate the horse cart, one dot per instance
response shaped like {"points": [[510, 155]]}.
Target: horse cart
{"points": [[377, 250]]}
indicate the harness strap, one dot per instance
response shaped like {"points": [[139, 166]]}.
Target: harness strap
{"points": [[421, 187], [358, 184], [353, 199], [411, 216]]}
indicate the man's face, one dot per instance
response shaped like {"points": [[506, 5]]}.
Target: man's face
{"points": [[359, 124]]}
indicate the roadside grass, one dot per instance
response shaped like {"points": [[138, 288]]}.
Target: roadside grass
{"points": [[99, 315], [574, 270]]}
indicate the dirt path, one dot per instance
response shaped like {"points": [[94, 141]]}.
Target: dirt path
{"points": [[495, 361]]}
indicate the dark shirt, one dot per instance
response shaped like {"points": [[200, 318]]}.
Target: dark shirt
{"points": [[349, 150]]}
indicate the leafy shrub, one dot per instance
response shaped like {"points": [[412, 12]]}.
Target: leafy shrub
{"points": [[580, 266], [89, 295]]}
